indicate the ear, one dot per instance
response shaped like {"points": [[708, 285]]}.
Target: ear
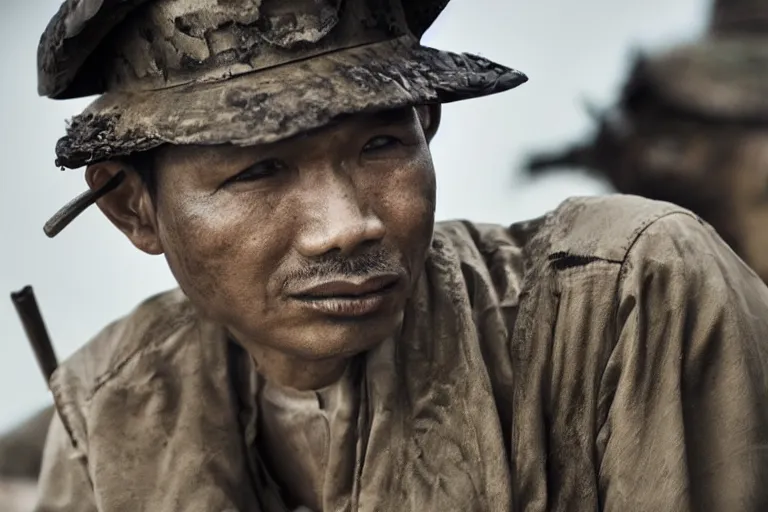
{"points": [[430, 115], [129, 207]]}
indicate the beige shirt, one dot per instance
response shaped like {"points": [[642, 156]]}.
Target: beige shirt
{"points": [[612, 355], [296, 436]]}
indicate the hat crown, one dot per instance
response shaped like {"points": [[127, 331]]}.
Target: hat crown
{"points": [[739, 17], [95, 46], [178, 42]]}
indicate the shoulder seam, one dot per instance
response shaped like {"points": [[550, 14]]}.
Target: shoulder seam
{"points": [[643, 228], [112, 371]]}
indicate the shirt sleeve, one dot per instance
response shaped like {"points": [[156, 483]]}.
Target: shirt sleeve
{"points": [[63, 485], [687, 381]]}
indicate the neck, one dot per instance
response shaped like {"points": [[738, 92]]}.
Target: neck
{"points": [[297, 373]]}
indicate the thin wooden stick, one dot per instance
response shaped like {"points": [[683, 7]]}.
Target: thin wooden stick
{"points": [[34, 326]]}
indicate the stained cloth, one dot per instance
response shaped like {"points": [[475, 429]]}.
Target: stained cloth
{"points": [[612, 355]]}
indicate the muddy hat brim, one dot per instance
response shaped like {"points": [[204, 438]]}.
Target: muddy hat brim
{"points": [[281, 102]]}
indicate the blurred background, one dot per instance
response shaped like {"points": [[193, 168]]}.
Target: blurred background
{"points": [[90, 275]]}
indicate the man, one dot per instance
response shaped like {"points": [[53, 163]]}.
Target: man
{"points": [[17, 495], [692, 128], [20, 453], [21, 449], [330, 347]]}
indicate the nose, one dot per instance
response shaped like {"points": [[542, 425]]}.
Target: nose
{"points": [[337, 220]]}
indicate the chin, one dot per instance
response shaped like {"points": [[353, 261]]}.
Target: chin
{"points": [[336, 337]]}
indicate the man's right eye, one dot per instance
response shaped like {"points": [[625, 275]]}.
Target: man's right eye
{"points": [[380, 143], [258, 171]]}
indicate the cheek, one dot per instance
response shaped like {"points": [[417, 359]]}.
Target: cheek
{"points": [[405, 201], [217, 254]]}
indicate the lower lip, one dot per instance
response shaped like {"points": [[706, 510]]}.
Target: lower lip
{"points": [[349, 307]]}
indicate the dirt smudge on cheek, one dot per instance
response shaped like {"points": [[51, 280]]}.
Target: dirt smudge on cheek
{"points": [[202, 252]]}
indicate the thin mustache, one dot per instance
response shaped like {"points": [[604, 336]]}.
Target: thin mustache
{"points": [[335, 266]]}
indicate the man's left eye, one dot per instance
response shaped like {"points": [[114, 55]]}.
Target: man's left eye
{"points": [[381, 142]]}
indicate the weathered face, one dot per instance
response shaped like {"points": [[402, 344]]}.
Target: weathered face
{"points": [[310, 246]]}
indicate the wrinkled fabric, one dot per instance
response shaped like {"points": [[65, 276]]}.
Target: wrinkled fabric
{"points": [[612, 355], [295, 434]]}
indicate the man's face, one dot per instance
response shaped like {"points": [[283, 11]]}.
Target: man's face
{"points": [[312, 245]]}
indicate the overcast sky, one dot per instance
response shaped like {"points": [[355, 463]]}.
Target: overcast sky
{"points": [[90, 275]]}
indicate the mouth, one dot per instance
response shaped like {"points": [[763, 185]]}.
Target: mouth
{"points": [[349, 297]]}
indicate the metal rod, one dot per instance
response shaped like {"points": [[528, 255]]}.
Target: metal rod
{"points": [[34, 326]]}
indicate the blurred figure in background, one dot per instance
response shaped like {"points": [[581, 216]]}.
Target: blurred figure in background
{"points": [[17, 496], [691, 128], [21, 451]]}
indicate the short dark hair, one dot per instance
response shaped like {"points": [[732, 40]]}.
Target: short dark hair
{"points": [[143, 163]]}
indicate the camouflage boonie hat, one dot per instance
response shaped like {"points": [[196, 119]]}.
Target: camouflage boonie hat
{"points": [[242, 72]]}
